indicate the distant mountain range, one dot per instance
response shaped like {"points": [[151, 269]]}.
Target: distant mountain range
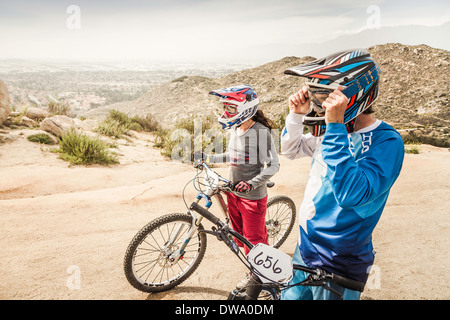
{"points": [[414, 93], [436, 37]]}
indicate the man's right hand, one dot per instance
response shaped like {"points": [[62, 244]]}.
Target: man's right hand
{"points": [[299, 102]]}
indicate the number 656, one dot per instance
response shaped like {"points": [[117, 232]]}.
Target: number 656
{"points": [[267, 263]]}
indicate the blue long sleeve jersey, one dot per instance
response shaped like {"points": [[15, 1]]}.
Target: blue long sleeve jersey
{"points": [[349, 183]]}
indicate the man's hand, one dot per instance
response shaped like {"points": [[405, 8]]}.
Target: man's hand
{"points": [[335, 106], [299, 102]]}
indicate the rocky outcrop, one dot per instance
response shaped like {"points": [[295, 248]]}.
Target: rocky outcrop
{"points": [[27, 122], [37, 113], [5, 103], [57, 125]]}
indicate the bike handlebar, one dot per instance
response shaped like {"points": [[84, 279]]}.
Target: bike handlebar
{"points": [[205, 213], [228, 187], [348, 283], [344, 282]]}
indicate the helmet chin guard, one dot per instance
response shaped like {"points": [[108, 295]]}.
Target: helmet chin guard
{"points": [[316, 124]]}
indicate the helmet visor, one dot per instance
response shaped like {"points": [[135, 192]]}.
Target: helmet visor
{"points": [[229, 108], [318, 95]]}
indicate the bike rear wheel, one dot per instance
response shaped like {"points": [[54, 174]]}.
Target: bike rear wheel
{"points": [[280, 218], [148, 263]]}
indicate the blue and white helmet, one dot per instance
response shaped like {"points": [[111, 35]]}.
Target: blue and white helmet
{"points": [[240, 104], [354, 70]]}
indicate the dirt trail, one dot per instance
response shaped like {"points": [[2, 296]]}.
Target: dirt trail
{"points": [[57, 220]]}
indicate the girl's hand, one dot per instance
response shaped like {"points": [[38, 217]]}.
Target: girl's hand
{"points": [[242, 186]]}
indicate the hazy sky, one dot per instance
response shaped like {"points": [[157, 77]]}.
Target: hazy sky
{"points": [[191, 30]]}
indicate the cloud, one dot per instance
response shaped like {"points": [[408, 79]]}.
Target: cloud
{"points": [[191, 29]]}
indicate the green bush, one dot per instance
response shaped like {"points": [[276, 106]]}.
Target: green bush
{"points": [[180, 142], [279, 123], [118, 123], [412, 150], [426, 138], [79, 148], [59, 108], [147, 123], [120, 117], [40, 138], [111, 128]]}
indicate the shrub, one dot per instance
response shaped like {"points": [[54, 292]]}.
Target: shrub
{"points": [[111, 128], [58, 108], [118, 123], [81, 149], [120, 117], [425, 137], [147, 123], [180, 142], [279, 123], [412, 150], [40, 138]]}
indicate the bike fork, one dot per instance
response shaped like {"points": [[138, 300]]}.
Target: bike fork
{"points": [[177, 255]]}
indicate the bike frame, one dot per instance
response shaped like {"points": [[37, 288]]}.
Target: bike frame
{"points": [[215, 193], [178, 239], [318, 277]]}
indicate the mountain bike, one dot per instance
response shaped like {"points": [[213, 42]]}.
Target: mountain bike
{"points": [[166, 251], [271, 269]]}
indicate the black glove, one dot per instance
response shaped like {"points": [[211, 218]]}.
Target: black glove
{"points": [[242, 186]]}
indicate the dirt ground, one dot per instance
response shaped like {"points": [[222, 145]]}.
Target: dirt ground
{"points": [[64, 230]]}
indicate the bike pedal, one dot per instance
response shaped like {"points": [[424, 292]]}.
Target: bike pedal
{"points": [[236, 295]]}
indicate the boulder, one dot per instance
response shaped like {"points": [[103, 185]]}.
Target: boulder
{"points": [[27, 122], [5, 103], [57, 125], [36, 113], [5, 136], [86, 125]]}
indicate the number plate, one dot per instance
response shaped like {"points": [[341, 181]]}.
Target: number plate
{"points": [[273, 264]]}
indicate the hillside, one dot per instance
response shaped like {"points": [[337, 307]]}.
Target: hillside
{"points": [[414, 91], [415, 87], [188, 96]]}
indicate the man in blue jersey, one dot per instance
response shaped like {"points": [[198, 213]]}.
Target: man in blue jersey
{"points": [[356, 160]]}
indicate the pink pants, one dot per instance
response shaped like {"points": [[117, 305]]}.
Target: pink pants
{"points": [[248, 218]]}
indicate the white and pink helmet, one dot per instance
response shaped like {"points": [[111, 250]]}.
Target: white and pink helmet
{"points": [[240, 104]]}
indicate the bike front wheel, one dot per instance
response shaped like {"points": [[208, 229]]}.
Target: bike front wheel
{"points": [[149, 262], [280, 218]]}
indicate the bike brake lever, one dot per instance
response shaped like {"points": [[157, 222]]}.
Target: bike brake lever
{"points": [[222, 236], [311, 282], [216, 233], [225, 237], [198, 164]]}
